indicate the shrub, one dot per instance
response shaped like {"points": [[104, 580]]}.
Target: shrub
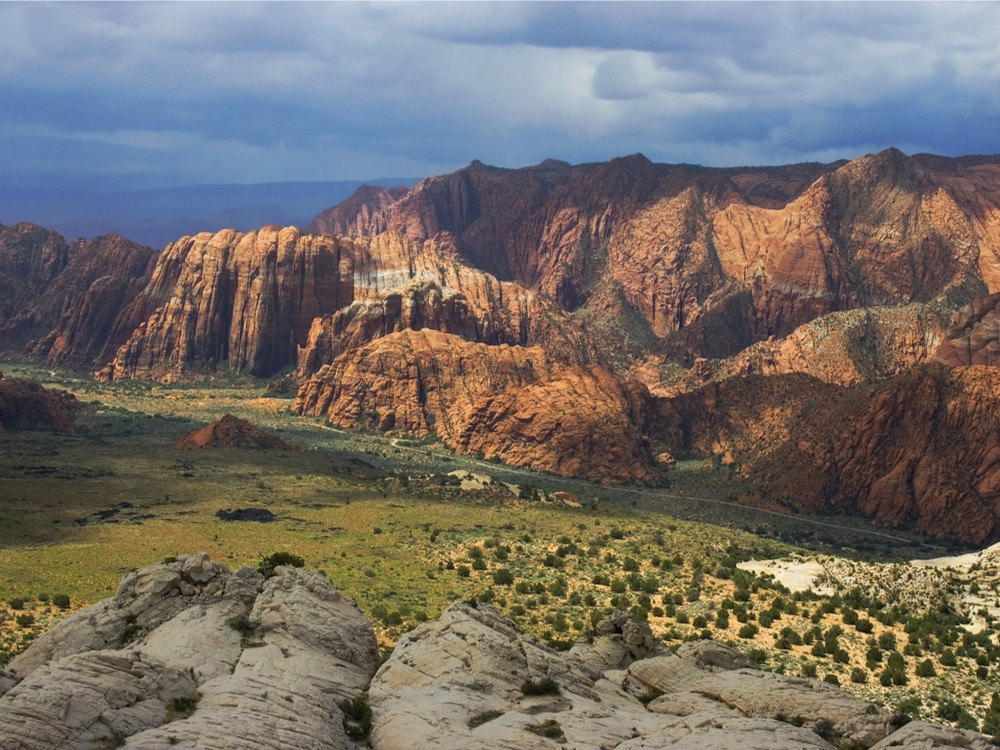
{"points": [[545, 686], [268, 564], [485, 716], [859, 676], [549, 728], [832, 679], [749, 630], [61, 601], [503, 577], [926, 669], [357, 716], [887, 641]]}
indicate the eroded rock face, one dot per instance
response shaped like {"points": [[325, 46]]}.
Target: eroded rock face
{"points": [[919, 450], [577, 422], [232, 432], [248, 299], [508, 401], [60, 299], [973, 338], [189, 654], [25, 405], [754, 252]]}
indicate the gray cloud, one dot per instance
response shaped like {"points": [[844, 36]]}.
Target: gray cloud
{"points": [[191, 92]]}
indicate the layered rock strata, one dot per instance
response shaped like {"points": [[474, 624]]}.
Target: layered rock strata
{"points": [[191, 655], [60, 299], [755, 252], [508, 401]]}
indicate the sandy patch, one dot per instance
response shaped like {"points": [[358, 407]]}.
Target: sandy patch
{"points": [[797, 575]]}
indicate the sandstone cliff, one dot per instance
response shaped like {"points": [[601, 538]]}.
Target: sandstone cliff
{"points": [[509, 401], [973, 338], [847, 348], [756, 253], [919, 450], [60, 299], [246, 299], [188, 654]]}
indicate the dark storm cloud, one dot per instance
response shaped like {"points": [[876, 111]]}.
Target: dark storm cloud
{"points": [[205, 92]]}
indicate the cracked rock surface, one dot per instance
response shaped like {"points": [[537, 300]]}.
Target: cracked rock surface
{"points": [[188, 654]]}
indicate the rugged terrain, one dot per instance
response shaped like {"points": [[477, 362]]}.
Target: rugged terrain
{"points": [[187, 653], [586, 319]]}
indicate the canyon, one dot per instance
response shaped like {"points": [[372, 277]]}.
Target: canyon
{"points": [[590, 320]]}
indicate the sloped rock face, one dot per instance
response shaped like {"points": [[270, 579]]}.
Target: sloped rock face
{"points": [[417, 382], [844, 348], [189, 654], [267, 299], [232, 432], [248, 299], [755, 252], [60, 299], [919, 450], [973, 338], [507, 401], [401, 285], [578, 422], [28, 406]]}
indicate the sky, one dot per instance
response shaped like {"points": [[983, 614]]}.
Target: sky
{"points": [[148, 94]]}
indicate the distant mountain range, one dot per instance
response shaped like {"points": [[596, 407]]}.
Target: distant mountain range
{"points": [[829, 331], [158, 216]]}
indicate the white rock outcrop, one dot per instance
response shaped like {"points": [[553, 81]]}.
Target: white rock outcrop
{"points": [[187, 654]]}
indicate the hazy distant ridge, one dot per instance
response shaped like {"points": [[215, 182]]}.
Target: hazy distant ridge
{"points": [[156, 217]]}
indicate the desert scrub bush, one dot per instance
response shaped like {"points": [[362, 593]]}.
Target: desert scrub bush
{"points": [[271, 562], [549, 729], [182, 706], [503, 577], [486, 716], [650, 695], [61, 601], [357, 716], [544, 686]]}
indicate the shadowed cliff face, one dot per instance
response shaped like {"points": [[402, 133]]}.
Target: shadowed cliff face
{"points": [[60, 299], [920, 450]]}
